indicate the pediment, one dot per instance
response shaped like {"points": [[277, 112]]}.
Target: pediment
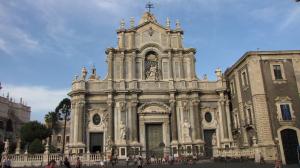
{"points": [[154, 108]]}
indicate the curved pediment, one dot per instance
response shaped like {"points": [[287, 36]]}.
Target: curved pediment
{"points": [[154, 108]]}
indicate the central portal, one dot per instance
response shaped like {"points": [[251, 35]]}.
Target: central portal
{"points": [[154, 140]]}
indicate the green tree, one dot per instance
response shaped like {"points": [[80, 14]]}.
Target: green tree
{"points": [[34, 130], [64, 110], [51, 120], [36, 147]]}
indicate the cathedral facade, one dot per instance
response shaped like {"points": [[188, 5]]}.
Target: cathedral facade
{"points": [[152, 102]]}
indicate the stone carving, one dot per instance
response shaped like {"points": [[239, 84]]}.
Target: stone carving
{"points": [[6, 146], [151, 67], [108, 143], [18, 148], [83, 73], [186, 130], [214, 140], [122, 130]]}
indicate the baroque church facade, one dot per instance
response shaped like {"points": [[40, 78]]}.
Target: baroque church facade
{"points": [[152, 102]]}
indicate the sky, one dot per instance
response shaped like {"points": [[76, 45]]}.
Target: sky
{"points": [[44, 43]]}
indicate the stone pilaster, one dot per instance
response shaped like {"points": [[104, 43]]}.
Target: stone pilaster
{"points": [[174, 124], [134, 123], [197, 121], [110, 123]]}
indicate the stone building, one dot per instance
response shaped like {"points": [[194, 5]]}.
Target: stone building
{"points": [[151, 99], [265, 102], [152, 102], [12, 116]]}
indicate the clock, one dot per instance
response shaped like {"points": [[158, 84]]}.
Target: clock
{"points": [[96, 119]]}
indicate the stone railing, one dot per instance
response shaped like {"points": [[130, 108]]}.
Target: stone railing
{"points": [[234, 152], [34, 160]]}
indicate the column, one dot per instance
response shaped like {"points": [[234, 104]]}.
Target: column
{"points": [[80, 125], [197, 120], [134, 123], [222, 110], [110, 126], [122, 66], [174, 124], [110, 69]]}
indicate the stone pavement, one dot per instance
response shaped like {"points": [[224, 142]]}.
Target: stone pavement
{"points": [[205, 164]]}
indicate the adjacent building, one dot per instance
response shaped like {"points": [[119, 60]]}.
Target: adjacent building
{"points": [[12, 116], [265, 102]]}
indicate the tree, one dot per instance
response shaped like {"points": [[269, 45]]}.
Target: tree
{"points": [[64, 110], [51, 120], [36, 147], [34, 130]]}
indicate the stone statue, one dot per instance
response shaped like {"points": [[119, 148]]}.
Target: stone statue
{"points": [[18, 148], [83, 73], [186, 130], [122, 130], [152, 72], [108, 143], [214, 140], [6, 146]]}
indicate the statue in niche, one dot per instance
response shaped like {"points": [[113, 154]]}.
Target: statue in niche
{"points": [[122, 130], [151, 66], [186, 130], [214, 140]]}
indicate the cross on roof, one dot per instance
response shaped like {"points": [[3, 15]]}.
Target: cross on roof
{"points": [[149, 5]]}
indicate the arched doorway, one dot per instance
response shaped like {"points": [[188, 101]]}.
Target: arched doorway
{"points": [[289, 143]]}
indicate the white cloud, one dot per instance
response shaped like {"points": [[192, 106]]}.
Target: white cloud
{"points": [[293, 17], [41, 99]]}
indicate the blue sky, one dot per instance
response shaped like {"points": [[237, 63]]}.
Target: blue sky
{"points": [[44, 43]]}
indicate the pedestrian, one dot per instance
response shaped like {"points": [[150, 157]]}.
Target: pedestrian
{"points": [[7, 163], [51, 164], [140, 163], [101, 163], [262, 159], [277, 161], [67, 163], [78, 163], [127, 160]]}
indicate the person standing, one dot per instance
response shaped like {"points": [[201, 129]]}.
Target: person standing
{"points": [[67, 163], [78, 163], [51, 164]]}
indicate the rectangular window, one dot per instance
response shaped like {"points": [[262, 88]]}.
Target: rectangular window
{"points": [[277, 72], [58, 139], [67, 139], [232, 90], [138, 70], [249, 116], [244, 78], [285, 112], [165, 70]]}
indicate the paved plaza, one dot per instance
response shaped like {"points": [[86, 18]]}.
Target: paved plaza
{"points": [[202, 164], [207, 165]]}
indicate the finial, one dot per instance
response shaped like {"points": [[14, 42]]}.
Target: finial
{"points": [[0, 86], [7, 96], [218, 73], [168, 23], [75, 77], [83, 73], [122, 24], [21, 100], [177, 24], [131, 22], [149, 6], [205, 77]]}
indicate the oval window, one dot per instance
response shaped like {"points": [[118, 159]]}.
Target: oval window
{"points": [[96, 119], [208, 117]]}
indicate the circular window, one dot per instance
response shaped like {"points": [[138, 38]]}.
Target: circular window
{"points": [[96, 119], [208, 117]]}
